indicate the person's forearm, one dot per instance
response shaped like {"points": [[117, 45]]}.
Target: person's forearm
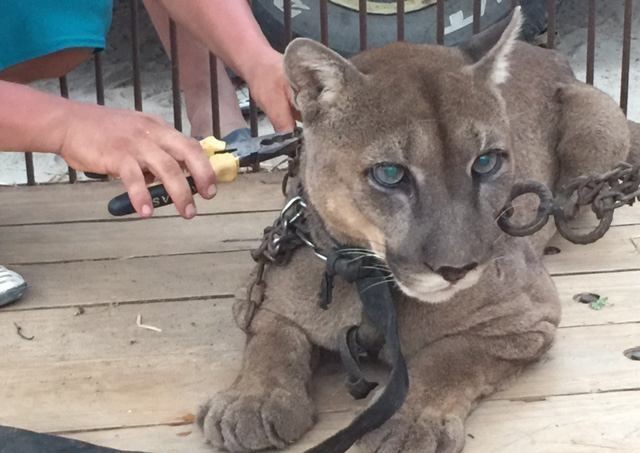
{"points": [[30, 120], [226, 27]]}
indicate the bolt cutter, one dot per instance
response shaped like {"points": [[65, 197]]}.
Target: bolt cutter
{"points": [[226, 160]]}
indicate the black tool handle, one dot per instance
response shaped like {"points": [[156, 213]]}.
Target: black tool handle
{"points": [[121, 205]]}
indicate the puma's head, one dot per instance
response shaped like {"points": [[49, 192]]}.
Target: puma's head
{"points": [[408, 152]]}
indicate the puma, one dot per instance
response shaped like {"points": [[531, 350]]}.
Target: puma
{"points": [[410, 154]]}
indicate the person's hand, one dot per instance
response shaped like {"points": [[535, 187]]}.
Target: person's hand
{"points": [[270, 89], [136, 147]]}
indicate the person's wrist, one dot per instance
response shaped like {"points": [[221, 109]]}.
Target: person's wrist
{"points": [[57, 114]]}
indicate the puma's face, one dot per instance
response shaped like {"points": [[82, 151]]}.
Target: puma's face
{"points": [[407, 152]]}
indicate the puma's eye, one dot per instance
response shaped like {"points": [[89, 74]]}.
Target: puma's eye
{"points": [[487, 164], [388, 175]]}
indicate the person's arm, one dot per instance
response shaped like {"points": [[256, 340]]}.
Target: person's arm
{"points": [[229, 30], [121, 143]]}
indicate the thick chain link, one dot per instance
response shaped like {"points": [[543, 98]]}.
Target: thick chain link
{"points": [[288, 232], [604, 193]]}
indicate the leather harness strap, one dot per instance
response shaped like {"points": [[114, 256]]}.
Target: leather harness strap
{"points": [[379, 311]]}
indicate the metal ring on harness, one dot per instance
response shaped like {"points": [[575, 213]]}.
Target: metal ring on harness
{"points": [[544, 211]]}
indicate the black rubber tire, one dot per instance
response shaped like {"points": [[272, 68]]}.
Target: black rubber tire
{"points": [[344, 30]]}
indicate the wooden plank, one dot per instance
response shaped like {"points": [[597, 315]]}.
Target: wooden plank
{"points": [[626, 215], [88, 201], [616, 251], [99, 370], [220, 274], [582, 360], [568, 424], [622, 289], [133, 280], [169, 236], [117, 240], [594, 423], [187, 438]]}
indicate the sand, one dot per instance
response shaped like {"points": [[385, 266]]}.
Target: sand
{"points": [[156, 78]]}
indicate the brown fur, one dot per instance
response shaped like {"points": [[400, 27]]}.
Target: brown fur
{"points": [[434, 110]]}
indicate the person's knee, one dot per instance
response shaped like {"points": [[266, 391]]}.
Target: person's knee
{"points": [[49, 66]]}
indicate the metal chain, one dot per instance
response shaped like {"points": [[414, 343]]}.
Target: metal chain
{"points": [[604, 193], [288, 232]]}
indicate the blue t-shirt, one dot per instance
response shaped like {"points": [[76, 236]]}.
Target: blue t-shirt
{"points": [[34, 28]]}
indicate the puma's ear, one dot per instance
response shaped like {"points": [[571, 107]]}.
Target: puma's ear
{"points": [[318, 76], [491, 51]]}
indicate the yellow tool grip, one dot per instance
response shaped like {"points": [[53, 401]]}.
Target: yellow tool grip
{"points": [[211, 145], [226, 166]]}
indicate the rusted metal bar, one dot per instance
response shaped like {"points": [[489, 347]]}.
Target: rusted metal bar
{"points": [[288, 34], [97, 65], [28, 162], [626, 55], [362, 9], [477, 12], [324, 22], [64, 92], [253, 113], [591, 42], [175, 76], [253, 117], [440, 21], [135, 55], [400, 19], [64, 87], [551, 23], [215, 102]]}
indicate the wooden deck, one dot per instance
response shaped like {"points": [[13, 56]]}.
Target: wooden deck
{"points": [[92, 374]]}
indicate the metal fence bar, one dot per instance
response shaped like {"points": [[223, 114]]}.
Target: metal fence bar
{"points": [[626, 55], [253, 109], [288, 34], [64, 92], [362, 10], [400, 19], [135, 55], [440, 21], [175, 75], [28, 162], [591, 42], [215, 102], [551, 23], [477, 12], [324, 22], [97, 65]]}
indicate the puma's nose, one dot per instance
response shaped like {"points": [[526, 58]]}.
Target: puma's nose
{"points": [[454, 274]]}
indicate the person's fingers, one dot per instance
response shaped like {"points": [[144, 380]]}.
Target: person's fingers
{"points": [[190, 154], [166, 168], [134, 182], [149, 178]]}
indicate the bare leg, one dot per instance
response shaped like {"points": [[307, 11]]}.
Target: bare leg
{"points": [[268, 406], [194, 78]]}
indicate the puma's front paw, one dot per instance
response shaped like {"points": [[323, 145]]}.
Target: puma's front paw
{"points": [[241, 422], [429, 433]]}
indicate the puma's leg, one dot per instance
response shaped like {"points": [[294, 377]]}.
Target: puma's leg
{"points": [[448, 377], [594, 134], [268, 406]]}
